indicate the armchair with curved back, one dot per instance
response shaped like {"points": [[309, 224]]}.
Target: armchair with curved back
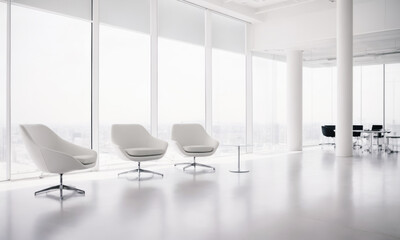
{"points": [[53, 154], [192, 140], [134, 143]]}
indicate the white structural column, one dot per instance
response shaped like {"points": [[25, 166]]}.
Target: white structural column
{"points": [[294, 100], [344, 125]]}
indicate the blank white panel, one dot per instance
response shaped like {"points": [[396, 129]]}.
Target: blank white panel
{"points": [[128, 14], [181, 21], [228, 34], [76, 8]]}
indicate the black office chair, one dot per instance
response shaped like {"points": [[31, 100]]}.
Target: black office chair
{"points": [[379, 135], [357, 136], [377, 128], [329, 132], [331, 127]]}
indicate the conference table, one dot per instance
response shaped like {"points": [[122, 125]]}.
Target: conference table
{"points": [[371, 134], [391, 150]]}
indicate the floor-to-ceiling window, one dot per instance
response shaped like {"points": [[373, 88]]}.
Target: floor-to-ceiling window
{"points": [[372, 95], [320, 98], [357, 96], [3, 65], [392, 101], [51, 76], [269, 108], [124, 63], [319, 89], [181, 65], [228, 80]]}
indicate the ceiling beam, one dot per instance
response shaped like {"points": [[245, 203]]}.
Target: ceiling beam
{"points": [[283, 5]]}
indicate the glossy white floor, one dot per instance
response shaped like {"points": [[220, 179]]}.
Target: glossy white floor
{"points": [[309, 195]]}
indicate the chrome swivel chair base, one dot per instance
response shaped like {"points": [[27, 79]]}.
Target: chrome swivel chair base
{"points": [[60, 187], [140, 170], [193, 164]]}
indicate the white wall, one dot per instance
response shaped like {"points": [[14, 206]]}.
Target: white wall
{"points": [[301, 26]]}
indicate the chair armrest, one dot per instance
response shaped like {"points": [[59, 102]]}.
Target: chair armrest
{"points": [[60, 162]]}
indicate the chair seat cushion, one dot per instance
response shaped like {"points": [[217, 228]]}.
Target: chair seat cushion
{"points": [[198, 148], [144, 152], [86, 159]]}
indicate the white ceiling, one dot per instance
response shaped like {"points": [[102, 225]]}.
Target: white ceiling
{"points": [[263, 3], [258, 3], [262, 6], [371, 48]]}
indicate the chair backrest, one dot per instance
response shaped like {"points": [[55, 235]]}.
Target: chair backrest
{"points": [[328, 130], [357, 127], [332, 127], [130, 135], [189, 134], [35, 137], [377, 128]]}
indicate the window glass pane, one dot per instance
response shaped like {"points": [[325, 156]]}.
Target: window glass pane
{"points": [[181, 75], [267, 130], [318, 103], [3, 58], [228, 80], [392, 86], [372, 95], [124, 73], [281, 102], [263, 102], [357, 96], [51, 77]]}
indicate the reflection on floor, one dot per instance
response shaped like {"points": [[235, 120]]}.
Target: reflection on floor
{"points": [[309, 195]]}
